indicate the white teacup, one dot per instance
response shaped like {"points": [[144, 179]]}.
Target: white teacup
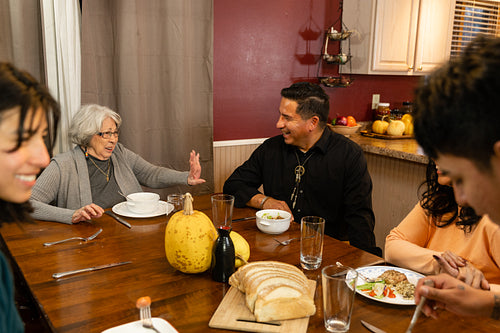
{"points": [[143, 202]]}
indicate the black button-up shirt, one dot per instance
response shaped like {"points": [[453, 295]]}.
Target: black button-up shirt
{"points": [[336, 184]]}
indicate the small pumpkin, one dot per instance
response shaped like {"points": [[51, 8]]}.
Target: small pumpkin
{"points": [[380, 126], [396, 127], [189, 239]]}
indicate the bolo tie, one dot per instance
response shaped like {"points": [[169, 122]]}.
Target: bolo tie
{"points": [[299, 172]]}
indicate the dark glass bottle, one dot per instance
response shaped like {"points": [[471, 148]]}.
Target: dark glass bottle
{"points": [[223, 256], [407, 108]]}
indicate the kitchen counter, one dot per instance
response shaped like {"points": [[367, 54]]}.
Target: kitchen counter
{"points": [[404, 149], [397, 168]]}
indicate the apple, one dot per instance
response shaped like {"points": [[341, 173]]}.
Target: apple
{"points": [[341, 120]]}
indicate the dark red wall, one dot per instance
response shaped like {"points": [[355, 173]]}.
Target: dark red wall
{"points": [[262, 46]]}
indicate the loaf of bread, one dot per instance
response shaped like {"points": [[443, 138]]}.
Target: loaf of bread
{"points": [[275, 290]]}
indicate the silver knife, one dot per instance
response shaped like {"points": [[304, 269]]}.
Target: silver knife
{"points": [[372, 328], [119, 219], [60, 275]]}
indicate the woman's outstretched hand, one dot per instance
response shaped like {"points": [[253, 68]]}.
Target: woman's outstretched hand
{"points": [[194, 169]]}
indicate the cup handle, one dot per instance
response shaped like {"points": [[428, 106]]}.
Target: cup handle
{"points": [[264, 223]]}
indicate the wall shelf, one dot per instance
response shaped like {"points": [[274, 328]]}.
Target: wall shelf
{"points": [[339, 40]]}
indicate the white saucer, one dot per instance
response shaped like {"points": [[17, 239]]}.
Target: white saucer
{"points": [[136, 327], [163, 208]]}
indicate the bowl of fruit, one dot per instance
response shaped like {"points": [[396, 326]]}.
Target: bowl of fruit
{"points": [[345, 125]]}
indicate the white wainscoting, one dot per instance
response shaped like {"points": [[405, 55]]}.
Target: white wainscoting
{"points": [[228, 155], [395, 181], [395, 191]]}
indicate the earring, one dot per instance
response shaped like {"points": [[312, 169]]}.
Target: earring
{"points": [[86, 153]]}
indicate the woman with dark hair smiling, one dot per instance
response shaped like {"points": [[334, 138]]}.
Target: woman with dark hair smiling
{"points": [[28, 122], [440, 236]]}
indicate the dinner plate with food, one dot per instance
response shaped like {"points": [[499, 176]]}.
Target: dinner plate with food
{"points": [[387, 284]]}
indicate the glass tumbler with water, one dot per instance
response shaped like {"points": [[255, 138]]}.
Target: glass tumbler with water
{"points": [[312, 230]]}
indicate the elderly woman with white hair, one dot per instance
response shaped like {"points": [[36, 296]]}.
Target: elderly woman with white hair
{"points": [[79, 184]]}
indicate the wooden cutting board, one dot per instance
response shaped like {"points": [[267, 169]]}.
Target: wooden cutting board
{"points": [[385, 136], [233, 314]]}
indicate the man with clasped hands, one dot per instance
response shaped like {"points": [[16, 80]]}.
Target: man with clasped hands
{"points": [[310, 170]]}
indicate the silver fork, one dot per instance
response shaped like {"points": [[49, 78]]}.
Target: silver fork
{"points": [[144, 306], [413, 321], [286, 242], [85, 239], [367, 279]]}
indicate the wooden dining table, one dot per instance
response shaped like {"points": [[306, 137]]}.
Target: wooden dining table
{"points": [[98, 300]]}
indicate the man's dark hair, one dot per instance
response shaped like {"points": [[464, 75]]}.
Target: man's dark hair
{"points": [[457, 108], [311, 100]]}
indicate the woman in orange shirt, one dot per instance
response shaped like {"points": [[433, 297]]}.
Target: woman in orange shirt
{"points": [[439, 236]]}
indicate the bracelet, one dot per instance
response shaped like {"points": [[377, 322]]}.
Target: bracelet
{"points": [[495, 314], [263, 201]]}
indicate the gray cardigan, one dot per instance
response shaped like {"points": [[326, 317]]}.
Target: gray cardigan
{"points": [[66, 183]]}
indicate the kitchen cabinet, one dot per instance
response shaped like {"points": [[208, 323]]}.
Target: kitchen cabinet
{"points": [[399, 37]]}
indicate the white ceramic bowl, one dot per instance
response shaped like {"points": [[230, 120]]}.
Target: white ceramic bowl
{"points": [[143, 202], [345, 130], [268, 221]]}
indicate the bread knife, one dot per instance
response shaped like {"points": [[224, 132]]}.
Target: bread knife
{"points": [[90, 269], [119, 219]]}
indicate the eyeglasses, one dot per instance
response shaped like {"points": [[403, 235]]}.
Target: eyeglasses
{"points": [[107, 135]]}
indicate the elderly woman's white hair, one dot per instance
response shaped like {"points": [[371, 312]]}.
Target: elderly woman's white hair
{"points": [[88, 121]]}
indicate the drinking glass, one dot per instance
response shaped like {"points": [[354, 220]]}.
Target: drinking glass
{"points": [[312, 230], [222, 210], [223, 254], [339, 285], [177, 200]]}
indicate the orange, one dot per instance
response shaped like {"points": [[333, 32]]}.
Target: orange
{"points": [[351, 121]]}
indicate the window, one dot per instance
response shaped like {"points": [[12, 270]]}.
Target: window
{"points": [[473, 17]]}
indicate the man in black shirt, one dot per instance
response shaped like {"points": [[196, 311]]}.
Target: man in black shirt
{"points": [[310, 170]]}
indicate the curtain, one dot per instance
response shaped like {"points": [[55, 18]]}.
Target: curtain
{"points": [[20, 36], [61, 36], [151, 61]]}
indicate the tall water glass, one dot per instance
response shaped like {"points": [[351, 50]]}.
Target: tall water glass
{"points": [[312, 230], [339, 285], [222, 211], [223, 254]]}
